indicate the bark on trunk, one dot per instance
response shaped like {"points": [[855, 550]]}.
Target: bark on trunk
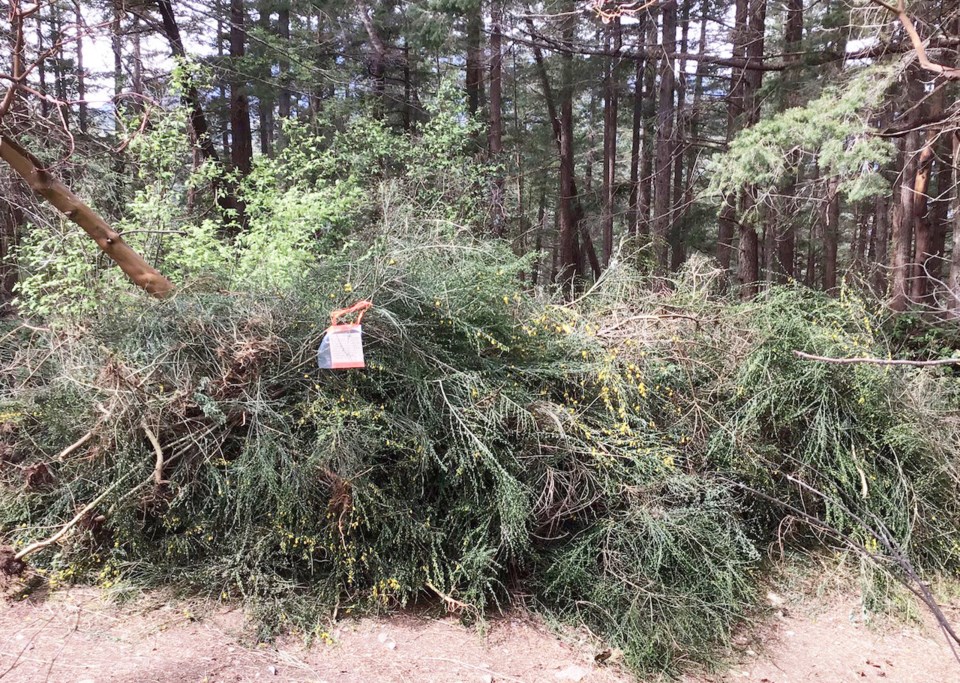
{"points": [[614, 39], [749, 242], [495, 138], [569, 255], [953, 281], [474, 65], [191, 96], [645, 201], [241, 151], [82, 119], [283, 31], [633, 210], [903, 218], [727, 223], [879, 244], [924, 245], [786, 238], [665, 141]]}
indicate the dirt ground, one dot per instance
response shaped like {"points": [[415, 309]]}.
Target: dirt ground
{"points": [[76, 636]]}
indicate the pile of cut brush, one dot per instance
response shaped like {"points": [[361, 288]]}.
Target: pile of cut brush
{"points": [[623, 461]]}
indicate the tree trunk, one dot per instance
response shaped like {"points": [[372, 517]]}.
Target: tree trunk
{"points": [[82, 119], [191, 96], [633, 209], [569, 251], [283, 31], [42, 66], [727, 223], [265, 100], [678, 249], [863, 224], [879, 244], [555, 121], [223, 111], [664, 144], [110, 242], [614, 39], [11, 218], [495, 138], [903, 216], [137, 60], [939, 220], [241, 151], [953, 281], [924, 246], [694, 123], [474, 65], [116, 45], [749, 253], [786, 238]]}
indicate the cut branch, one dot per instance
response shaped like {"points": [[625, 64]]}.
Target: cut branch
{"points": [[900, 11], [40, 545], [158, 451], [876, 361], [109, 240]]}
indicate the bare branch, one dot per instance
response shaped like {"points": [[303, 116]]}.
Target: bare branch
{"points": [[876, 361]]}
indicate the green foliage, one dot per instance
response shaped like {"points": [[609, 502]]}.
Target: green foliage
{"points": [[57, 273], [622, 467], [857, 446], [835, 129], [491, 436]]}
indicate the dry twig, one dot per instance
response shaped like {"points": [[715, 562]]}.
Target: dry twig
{"points": [[876, 361]]}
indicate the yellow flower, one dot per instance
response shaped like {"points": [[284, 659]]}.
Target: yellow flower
{"points": [[348, 287]]}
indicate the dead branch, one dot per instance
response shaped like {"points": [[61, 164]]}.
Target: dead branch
{"points": [[86, 437], [40, 545], [900, 11], [158, 468], [876, 361], [453, 605]]}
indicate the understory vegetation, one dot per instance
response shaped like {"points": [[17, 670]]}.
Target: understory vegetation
{"points": [[626, 459]]}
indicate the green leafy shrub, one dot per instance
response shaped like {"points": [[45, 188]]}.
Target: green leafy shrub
{"points": [[492, 437]]}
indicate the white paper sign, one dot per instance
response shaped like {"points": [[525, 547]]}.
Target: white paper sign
{"points": [[342, 347]]}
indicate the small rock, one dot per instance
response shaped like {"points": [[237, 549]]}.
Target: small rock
{"points": [[486, 678], [272, 670], [774, 599], [571, 673]]}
